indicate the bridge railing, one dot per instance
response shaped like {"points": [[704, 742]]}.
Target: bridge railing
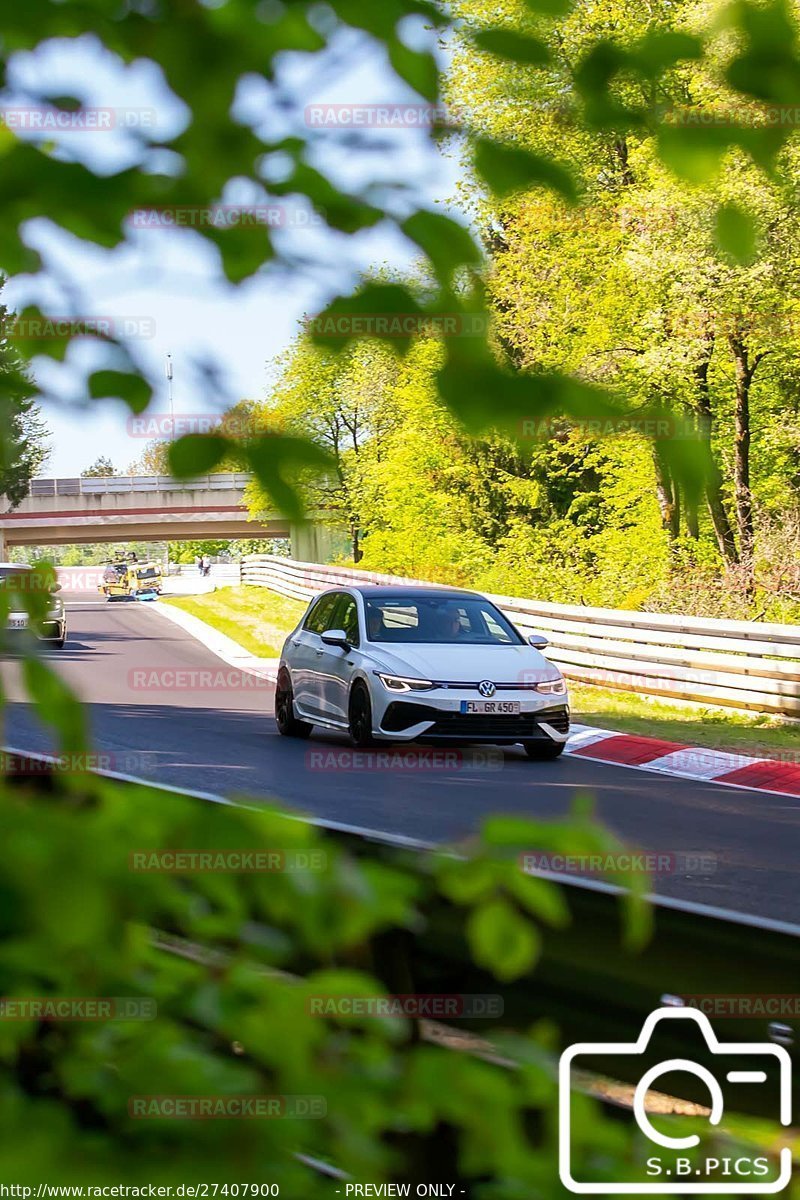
{"points": [[739, 664], [98, 485]]}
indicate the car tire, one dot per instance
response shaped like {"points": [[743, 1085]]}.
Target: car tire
{"points": [[287, 722], [544, 751], [360, 717]]}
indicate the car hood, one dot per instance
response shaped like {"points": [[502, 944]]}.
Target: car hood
{"points": [[465, 664]]}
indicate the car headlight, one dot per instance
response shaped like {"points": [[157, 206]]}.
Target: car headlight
{"points": [[398, 683], [553, 687]]}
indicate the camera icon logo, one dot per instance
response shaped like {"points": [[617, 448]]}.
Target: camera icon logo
{"points": [[671, 1170]]}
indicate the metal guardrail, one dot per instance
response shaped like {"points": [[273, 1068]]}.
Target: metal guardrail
{"points": [[739, 664], [586, 984], [99, 485]]}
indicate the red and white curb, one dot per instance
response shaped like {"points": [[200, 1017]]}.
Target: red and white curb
{"points": [[688, 762]]}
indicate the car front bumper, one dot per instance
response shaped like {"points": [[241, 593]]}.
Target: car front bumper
{"points": [[53, 629], [431, 718]]}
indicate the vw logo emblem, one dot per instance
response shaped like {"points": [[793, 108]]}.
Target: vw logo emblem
{"points": [[486, 688]]}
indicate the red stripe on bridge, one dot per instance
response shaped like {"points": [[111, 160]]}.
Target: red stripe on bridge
{"points": [[122, 512]]}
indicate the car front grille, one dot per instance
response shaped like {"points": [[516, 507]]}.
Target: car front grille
{"points": [[524, 727]]}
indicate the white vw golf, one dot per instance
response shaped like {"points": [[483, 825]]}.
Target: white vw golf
{"points": [[397, 664]]}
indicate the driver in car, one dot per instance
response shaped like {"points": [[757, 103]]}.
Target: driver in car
{"points": [[375, 625], [449, 625]]}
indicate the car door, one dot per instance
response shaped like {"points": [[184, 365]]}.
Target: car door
{"points": [[335, 664], [305, 649]]}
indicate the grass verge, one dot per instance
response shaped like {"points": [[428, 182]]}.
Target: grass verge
{"points": [[625, 712], [255, 617]]}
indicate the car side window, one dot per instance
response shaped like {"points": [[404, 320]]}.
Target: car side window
{"points": [[345, 616], [496, 630], [317, 619]]}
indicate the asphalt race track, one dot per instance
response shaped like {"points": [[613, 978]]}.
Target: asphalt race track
{"points": [[187, 731]]}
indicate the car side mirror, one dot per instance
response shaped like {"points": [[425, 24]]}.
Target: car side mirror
{"points": [[56, 587], [538, 641], [336, 637]]}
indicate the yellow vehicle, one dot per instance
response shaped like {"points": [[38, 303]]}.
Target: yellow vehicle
{"points": [[131, 580], [114, 585], [144, 580]]}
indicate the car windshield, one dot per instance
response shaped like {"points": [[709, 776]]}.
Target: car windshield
{"points": [[438, 619], [17, 579]]}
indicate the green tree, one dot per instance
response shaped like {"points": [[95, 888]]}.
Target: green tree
{"points": [[23, 445], [639, 288], [336, 399], [154, 460], [102, 466]]}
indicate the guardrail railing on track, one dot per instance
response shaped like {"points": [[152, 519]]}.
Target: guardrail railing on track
{"points": [[739, 664]]}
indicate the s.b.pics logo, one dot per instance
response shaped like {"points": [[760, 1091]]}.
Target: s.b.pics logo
{"points": [[675, 1164]]}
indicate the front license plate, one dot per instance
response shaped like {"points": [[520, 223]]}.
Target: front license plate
{"points": [[17, 622], [497, 707]]}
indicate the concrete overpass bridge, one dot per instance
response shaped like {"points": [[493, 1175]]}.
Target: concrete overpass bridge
{"points": [[141, 508]]}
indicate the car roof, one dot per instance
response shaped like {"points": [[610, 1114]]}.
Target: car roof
{"points": [[373, 591]]}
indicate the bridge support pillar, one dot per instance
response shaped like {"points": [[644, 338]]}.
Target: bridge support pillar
{"points": [[317, 543]]}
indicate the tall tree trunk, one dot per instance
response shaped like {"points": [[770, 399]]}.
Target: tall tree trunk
{"points": [[691, 516], [668, 500], [723, 530], [744, 371], [627, 176], [355, 539]]}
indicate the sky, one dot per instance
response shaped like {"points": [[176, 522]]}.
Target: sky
{"points": [[163, 288]]}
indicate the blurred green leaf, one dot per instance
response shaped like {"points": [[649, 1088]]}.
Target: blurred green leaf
{"points": [[387, 311], [447, 244], [518, 47], [501, 940], [418, 68], [196, 454], [275, 460], [550, 8], [56, 704], [133, 389], [660, 49], [509, 169], [736, 233]]}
